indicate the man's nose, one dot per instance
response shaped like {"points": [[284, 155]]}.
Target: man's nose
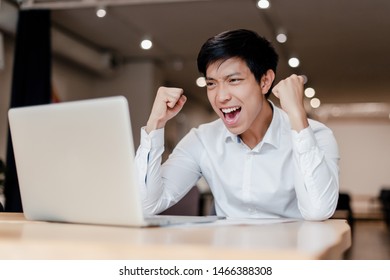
{"points": [[223, 94]]}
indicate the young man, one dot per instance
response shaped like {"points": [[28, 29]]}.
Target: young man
{"points": [[260, 161]]}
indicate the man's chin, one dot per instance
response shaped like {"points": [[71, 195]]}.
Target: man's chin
{"points": [[234, 129]]}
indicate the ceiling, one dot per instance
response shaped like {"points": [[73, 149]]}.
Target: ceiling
{"points": [[343, 45]]}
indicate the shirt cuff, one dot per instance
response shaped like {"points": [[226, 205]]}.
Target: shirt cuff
{"points": [[303, 141], [152, 140]]}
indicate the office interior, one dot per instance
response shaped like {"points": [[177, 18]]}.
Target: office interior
{"points": [[341, 46]]}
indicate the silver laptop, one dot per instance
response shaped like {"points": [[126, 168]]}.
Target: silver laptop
{"points": [[75, 163]]}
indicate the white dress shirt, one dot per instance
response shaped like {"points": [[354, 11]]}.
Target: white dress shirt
{"points": [[288, 174]]}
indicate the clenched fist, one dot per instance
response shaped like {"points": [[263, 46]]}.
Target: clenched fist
{"points": [[167, 104]]}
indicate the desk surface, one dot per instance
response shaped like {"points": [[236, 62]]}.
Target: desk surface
{"points": [[22, 239]]}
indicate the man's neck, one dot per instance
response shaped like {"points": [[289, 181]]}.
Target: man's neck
{"points": [[255, 134]]}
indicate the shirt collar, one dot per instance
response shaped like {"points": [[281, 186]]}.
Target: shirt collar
{"points": [[231, 137], [272, 136]]}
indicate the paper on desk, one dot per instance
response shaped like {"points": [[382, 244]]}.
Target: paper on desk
{"points": [[253, 221], [238, 221]]}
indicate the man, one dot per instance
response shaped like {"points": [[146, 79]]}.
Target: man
{"points": [[260, 161]]}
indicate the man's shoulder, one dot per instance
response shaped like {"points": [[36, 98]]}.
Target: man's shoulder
{"points": [[211, 126], [213, 129], [206, 135]]}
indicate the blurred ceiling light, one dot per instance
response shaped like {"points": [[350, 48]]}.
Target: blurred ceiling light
{"points": [[315, 103], [263, 4], [310, 92], [201, 82], [281, 37], [101, 12], [293, 62], [146, 44]]}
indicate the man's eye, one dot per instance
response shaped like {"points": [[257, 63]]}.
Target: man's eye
{"points": [[210, 84], [236, 80]]}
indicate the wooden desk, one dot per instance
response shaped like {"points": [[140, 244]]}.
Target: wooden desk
{"points": [[21, 239]]}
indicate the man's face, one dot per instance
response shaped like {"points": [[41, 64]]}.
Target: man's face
{"points": [[234, 94]]}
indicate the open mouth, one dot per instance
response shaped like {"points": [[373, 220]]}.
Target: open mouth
{"points": [[231, 114]]}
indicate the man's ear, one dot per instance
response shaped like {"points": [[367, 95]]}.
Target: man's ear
{"points": [[267, 80]]}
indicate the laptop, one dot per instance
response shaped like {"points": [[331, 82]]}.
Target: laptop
{"points": [[75, 164]]}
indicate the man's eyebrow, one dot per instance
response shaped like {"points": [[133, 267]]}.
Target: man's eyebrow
{"points": [[225, 77], [233, 74]]}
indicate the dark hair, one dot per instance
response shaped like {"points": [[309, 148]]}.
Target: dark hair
{"points": [[256, 51]]}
